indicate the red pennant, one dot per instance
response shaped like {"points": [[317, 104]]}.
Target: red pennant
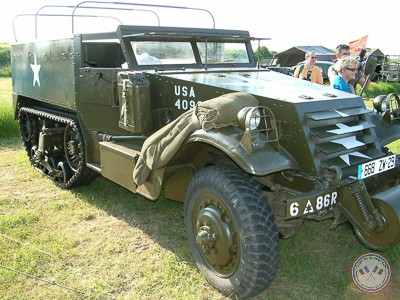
{"points": [[357, 45]]}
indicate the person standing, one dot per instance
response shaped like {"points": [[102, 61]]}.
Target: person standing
{"points": [[344, 50], [309, 71], [341, 50], [346, 68]]}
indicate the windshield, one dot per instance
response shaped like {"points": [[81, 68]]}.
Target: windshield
{"points": [[163, 53], [219, 53], [173, 53]]}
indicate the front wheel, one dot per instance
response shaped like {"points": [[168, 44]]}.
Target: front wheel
{"points": [[231, 231]]}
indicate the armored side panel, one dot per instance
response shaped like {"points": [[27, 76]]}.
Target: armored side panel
{"points": [[45, 71]]}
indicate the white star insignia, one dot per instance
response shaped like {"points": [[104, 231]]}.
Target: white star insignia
{"points": [[35, 68]]}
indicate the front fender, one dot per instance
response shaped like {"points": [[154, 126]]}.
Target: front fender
{"points": [[265, 158]]}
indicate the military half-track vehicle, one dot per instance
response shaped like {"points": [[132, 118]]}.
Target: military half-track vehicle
{"points": [[251, 153]]}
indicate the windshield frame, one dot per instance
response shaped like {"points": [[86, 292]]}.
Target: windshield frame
{"points": [[194, 43]]}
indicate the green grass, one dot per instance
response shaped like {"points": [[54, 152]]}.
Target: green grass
{"points": [[103, 242], [9, 127], [111, 244], [380, 88]]}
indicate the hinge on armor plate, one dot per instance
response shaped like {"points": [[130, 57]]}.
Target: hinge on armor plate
{"points": [[306, 97], [329, 95]]}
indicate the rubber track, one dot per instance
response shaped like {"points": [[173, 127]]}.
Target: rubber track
{"points": [[83, 175]]}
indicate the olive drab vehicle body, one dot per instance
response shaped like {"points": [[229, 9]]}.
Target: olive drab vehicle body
{"points": [[251, 153]]}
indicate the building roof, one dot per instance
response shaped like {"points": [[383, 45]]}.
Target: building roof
{"points": [[294, 55], [370, 51]]}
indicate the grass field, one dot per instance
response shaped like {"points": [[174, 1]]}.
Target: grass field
{"points": [[103, 242], [8, 127]]}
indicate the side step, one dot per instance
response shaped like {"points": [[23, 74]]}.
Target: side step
{"points": [[118, 161]]}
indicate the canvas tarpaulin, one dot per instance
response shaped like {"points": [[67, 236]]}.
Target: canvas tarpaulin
{"points": [[161, 146]]}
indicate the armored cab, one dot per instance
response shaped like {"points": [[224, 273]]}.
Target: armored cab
{"points": [[251, 153]]}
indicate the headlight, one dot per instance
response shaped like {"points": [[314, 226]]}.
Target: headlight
{"points": [[381, 103], [259, 127], [249, 117]]}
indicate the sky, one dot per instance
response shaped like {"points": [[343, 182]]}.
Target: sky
{"points": [[287, 23]]}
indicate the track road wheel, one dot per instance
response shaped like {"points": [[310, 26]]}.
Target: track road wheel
{"points": [[53, 161], [27, 126], [231, 231], [65, 173], [34, 156], [73, 147]]}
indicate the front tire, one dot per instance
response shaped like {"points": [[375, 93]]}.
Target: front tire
{"points": [[231, 231]]}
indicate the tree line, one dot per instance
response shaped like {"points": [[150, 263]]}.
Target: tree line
{"points": [[5, 60]]}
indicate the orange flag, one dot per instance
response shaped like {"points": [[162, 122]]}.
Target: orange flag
{"points": [[357, 45]]}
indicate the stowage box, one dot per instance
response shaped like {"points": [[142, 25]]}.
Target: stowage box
{"points": [[134, 102]]}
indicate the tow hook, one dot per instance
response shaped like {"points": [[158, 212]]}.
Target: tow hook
{"points": [[334, 181]]}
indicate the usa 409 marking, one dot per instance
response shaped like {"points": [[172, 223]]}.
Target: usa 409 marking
{"points": [[186, 92], [185, 104]]}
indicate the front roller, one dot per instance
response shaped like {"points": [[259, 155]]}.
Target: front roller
{"points": [[231, 231], [388, 205]]}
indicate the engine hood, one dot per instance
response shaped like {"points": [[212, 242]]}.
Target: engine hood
{"points": [[263, 83]]}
